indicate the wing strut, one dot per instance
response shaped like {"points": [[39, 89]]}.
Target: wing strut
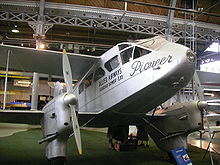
{"points": [[6, 80]]}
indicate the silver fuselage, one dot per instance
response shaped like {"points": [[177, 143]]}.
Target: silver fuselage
{"points": [[139, 85]]}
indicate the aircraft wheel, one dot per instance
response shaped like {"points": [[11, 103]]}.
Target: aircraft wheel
{"points": [[57, 161]]}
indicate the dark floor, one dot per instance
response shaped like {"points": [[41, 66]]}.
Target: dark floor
{"points": [[22, 148]]}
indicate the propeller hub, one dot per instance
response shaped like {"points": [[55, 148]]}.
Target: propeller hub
{"points": [[202, 105], [70, 99]]}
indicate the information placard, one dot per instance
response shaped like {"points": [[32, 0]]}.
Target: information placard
{"points": [[181, 156]]}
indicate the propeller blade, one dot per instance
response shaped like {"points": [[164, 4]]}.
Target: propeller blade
{"points": [[67, 73], [76, 129], [199, 90], [210, 139]]}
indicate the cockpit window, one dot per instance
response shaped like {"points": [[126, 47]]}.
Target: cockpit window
{"points": [[138, 52], [123, 46], [112, 63], [126, 55], [99, 73]]}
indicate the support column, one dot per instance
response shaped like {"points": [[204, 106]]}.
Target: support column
{"points": [[35, 88], [40, 29], [6, 82], [170, 21]]}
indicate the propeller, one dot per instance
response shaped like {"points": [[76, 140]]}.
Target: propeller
{"points": [[71, 100], [203, 107]]}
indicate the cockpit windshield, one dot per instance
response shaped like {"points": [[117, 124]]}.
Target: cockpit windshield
{"points": [[126, 55], [123, 46], [112, 63], [138, 52]]}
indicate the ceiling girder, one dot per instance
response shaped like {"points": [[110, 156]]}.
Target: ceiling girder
{"points": [[108, 19]]}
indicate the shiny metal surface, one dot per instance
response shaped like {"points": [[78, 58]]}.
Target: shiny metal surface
{"points": [[194, 139]]}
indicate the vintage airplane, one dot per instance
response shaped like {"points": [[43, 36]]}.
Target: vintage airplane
{"points": [[115, 90]]}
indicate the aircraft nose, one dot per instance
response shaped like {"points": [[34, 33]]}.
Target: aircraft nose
{"points": [[191, 56], [202, 105]]}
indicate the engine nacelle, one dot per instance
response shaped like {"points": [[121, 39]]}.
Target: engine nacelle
{"points": [[56, 127], [172, 130]]}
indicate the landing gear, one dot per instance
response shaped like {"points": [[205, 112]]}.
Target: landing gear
{"points": [[119, 140], [142, 136], [117, 136], [57, 161]]}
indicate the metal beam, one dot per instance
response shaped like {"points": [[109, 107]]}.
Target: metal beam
{"points": [[102, 18], [39, 29], [170, 8], [170, 21]]}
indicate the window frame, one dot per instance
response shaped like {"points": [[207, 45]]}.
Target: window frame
{"points": [[132, 53], [141, 48], [108, 62], [94, 77], [129, 45]]}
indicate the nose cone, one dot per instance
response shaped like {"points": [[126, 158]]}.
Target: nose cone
{"points": [[202, 105], [191, 56], [70, 98]]}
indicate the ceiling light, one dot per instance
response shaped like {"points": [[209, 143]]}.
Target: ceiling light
{"points": [[209, 94], [42, 46], [15, 29]]}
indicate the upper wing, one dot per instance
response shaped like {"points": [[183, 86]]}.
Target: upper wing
{"points": [[44, 61]]}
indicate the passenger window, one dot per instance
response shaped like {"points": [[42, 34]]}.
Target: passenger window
{"points": [[88, 80], [123, 46], [138, 52], [99, 73], [112, 63], [81, 87], [126, 55]]}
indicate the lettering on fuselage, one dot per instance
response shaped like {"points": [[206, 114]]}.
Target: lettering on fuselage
{"points": [[110, 79], [139, 66]]}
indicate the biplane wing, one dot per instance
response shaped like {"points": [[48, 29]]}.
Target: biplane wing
{"points": [[44, 61]]}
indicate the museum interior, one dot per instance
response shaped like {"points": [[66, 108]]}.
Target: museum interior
{"points": [[121, 67]]}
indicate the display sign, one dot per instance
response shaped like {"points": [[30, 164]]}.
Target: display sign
{"points": [[22, 83], [181, 156]]}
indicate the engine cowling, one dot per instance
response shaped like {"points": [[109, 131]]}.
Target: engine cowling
{"points": [[56, 124], [180, 120]]}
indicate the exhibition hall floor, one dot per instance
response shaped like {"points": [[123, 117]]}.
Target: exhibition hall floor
{"points": [[19, 145]]}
